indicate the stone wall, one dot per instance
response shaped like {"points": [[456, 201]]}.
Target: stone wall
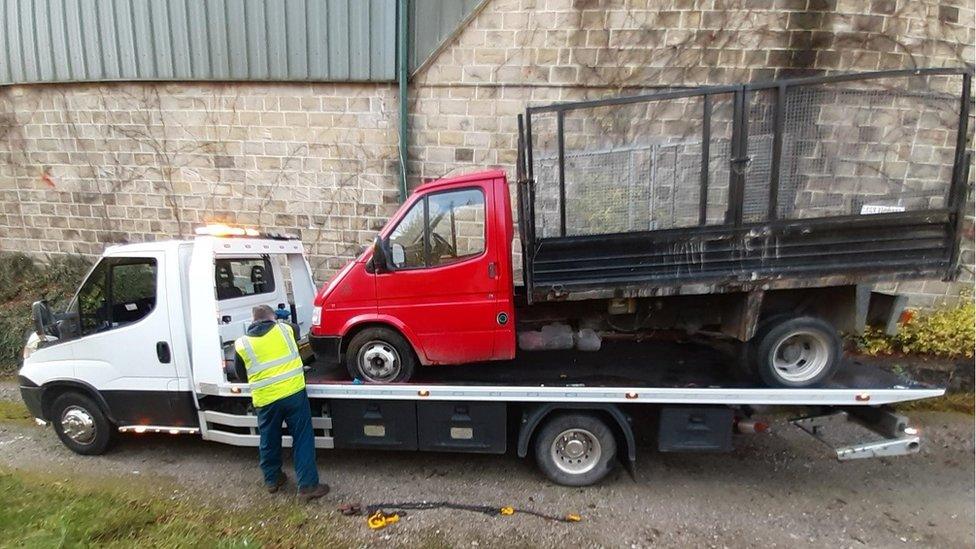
{"points": [[530, 52], [85, 165], [82, 166]]}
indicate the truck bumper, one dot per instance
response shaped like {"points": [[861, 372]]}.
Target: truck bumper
{"points": [[31, 394], [326, 348]]}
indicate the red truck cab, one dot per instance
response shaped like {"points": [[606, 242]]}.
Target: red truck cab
{"points": [[435, 288]]}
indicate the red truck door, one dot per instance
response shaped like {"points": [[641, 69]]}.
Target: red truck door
{"points": [[446, 276]]}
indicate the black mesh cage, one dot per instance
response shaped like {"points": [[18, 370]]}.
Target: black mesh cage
{"points": [[751, 156], [851, 147]]}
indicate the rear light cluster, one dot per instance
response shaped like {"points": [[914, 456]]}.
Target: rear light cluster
{"points": [[316, 316]]}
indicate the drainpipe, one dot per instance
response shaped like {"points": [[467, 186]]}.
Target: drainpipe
{"points": [[403, 75]]}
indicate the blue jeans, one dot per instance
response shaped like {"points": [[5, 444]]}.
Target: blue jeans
{"points": [[295, 412]]}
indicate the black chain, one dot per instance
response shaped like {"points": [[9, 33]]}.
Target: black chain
{"points": [[484, 509]]}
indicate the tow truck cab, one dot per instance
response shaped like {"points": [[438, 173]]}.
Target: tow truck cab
{"points": [[146, 321], [435, 288]]}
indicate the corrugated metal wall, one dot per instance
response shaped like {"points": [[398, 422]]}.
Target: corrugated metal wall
{"points": [[285, 40], [432, 22]]}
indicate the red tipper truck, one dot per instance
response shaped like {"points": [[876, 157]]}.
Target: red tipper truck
{"points": [[760, 213], [448, 299]]}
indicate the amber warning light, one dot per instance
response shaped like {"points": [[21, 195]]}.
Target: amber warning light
{"points": [[220, 229]]}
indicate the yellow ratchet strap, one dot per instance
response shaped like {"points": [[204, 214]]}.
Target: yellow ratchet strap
{"points": [[380, 520]]}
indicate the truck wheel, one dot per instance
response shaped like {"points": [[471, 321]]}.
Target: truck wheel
{"points": [[575, 449], [796, 352], [380, 355], [81, 425]]}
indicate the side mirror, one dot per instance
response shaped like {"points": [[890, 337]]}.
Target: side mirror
{"points": [[381, 257], [43, 319], [399, 255]]}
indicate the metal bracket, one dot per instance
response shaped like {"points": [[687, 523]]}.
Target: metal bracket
{"points": [[740, 165], [884, 448], [557, 292], [903, 442]]}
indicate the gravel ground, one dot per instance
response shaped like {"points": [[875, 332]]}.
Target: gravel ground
{"points": [[9, 390], [781, 489]]}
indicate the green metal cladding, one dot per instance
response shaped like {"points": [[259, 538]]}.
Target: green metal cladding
{"points": [[263, 40], [434, 21], [213, 40]]}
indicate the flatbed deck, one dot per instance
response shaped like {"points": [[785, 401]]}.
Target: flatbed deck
{"points": [[686, 386], [623, 372]]}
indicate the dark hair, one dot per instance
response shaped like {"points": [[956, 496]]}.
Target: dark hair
{"points": [[263, 312]]}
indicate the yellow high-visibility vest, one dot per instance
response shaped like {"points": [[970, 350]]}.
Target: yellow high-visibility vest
{"points": [[274, 367]]}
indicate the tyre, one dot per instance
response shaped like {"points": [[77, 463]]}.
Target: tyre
{"points": [[746, 356], [81, 424], [380, 355], [575, 449], [796, 352]]}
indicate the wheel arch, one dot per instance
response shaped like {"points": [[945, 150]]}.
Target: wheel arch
{"points": [[617, 420], [53, 389], [845, 307], [382, 322]]}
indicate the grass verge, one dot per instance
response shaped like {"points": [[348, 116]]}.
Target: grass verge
{"points": [[15, 412], [44, 511]]}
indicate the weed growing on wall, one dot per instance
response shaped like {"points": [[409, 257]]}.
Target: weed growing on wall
{"points": [[23, 281], [948, 332]]}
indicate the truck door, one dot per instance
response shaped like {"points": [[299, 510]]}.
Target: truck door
{"points": [[445, 278], [124, 347]]}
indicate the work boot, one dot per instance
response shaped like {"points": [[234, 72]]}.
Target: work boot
{"points": [[313, 492], [279, 482]]}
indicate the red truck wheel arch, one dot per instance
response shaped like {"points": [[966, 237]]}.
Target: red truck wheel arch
{"points": [[359, 323]]}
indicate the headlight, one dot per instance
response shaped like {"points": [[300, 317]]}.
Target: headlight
{"points": [[34, 343], [316, 316]]}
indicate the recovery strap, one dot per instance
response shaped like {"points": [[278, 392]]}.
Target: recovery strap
{"points": [[381, 515]]}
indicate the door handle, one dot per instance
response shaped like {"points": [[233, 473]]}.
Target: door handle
{"points": [[492, 270], [162, 352]]}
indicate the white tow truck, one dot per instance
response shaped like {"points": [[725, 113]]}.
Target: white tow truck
{"points": [[146, 343]]}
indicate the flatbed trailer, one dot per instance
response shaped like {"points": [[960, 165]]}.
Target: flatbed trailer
{"points": [[698, 411], [145, 345]]}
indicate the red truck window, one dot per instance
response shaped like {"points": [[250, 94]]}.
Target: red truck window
{"points": [[440, 229], [457, 226], [407, 240]]}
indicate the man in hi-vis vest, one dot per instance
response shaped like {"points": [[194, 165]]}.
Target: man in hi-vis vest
{"points": [[267, 356]]}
